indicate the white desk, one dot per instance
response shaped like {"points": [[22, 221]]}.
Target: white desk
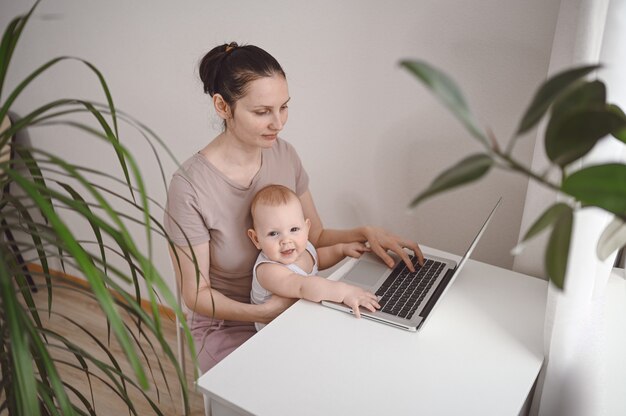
{"points": [[479, 355]]}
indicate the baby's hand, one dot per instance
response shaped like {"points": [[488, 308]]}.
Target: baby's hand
{"points": [[355, 296], [355, 249]]}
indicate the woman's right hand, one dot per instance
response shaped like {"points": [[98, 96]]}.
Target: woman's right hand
{"points": [[274, 307]]}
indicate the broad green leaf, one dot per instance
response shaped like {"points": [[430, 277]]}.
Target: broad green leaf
{"points": [[557, 251], [571, 136], [613, 238], [619, 133], [465, 171], [548, 92], [547, 219], [446, 90], [602, 186], [583, 95]]}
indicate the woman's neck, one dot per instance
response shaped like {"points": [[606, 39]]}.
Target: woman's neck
{"points": [[238, 162]]}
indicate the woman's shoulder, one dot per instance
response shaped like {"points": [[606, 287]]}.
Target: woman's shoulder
{"points": [[195, 172], [197, 166], [191, 165]]}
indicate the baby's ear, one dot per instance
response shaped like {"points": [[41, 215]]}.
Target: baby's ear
{"points": [[254, 238], [308, 224]]}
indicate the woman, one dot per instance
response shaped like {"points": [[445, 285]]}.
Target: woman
{"points": [[208, 208]]}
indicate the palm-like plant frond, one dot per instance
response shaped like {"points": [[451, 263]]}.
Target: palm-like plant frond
{"points": [[44, 187]]}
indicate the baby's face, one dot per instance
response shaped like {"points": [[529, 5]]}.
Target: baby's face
{"points": [[281, 232]]}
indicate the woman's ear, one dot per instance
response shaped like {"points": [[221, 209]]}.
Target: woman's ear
{"points": [[254, 238], [221, 106]]}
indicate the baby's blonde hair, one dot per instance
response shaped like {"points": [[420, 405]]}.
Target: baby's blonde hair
{"points": [[273, 196]]}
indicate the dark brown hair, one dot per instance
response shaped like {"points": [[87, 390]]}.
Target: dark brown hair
{"points": [[229, 68]]}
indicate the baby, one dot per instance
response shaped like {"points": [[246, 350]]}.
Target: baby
{"points": [[288, 263]]}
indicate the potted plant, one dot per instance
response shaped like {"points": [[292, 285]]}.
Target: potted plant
{"points": [[43, 185], [578, 116]]}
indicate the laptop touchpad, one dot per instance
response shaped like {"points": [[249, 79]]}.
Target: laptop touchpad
{"points": [[366, 273]]}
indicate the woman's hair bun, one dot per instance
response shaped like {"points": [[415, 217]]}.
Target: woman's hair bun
{"points": [[228, 68]]}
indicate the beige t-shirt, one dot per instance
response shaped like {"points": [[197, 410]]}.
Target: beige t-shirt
{"points": [[209, 207]]}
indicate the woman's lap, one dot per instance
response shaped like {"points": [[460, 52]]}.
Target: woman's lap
{"points": [[213, 343]]}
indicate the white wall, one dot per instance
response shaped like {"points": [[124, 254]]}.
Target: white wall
{"points": [[369, 135]]}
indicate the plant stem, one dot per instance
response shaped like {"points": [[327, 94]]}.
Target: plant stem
{"points": [[516, 166]]}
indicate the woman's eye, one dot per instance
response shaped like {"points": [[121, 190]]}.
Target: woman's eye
{"points": [[284, 107], [261, 113]]}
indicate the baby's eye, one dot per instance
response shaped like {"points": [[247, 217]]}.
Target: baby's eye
{"points": [[272, 234], [295, 229]]}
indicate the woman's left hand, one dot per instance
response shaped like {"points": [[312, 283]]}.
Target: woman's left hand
{"points": [[381, 240]]}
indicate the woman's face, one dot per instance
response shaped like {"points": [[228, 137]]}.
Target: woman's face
{"points": [[261, 113]]}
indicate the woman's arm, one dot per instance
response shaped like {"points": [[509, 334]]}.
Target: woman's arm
{"points": [[281, 281], [201, 298], [379, 239]]}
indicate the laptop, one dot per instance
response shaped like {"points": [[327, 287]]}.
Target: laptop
{"points": [[407, 299]]}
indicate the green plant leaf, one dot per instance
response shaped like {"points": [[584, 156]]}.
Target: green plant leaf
{"points": [[549, 91], [22, 360], [613, 238], [94, 226], [10, 38], [446, 90], [46, 366], [571, 136], [35, 233], [80, 207], [557, 250], [29, 162], [550, 216], [90, 272], [583, 95], [465, 171], [602, 186], [620, 132]]}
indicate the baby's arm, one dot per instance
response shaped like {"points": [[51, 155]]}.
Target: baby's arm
{"points": [[331, 255], [283, 282]]}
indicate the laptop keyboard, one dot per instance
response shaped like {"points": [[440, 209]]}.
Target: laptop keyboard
{"points": [[403, 291]]}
